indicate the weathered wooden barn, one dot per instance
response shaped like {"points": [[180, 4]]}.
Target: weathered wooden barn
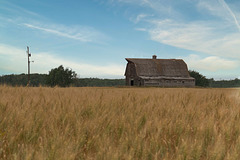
{"points": [[158, 72]]}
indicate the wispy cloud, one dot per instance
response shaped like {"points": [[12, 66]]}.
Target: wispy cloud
{"points": [[14, 60], [196, 36], [83, 34], [162, 7], [219, 9], [224, 4], [211, 63], [14, 10], [76, 36], [140, 17], [215, 36], [141, 29], [18, 16]]}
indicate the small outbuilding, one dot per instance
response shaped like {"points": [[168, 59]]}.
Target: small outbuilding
{"points": [[158, 72]]}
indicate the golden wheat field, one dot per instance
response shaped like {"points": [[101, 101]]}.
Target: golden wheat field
{"points": [[119, 123]]}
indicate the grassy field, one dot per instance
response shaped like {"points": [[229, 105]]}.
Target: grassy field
{"points": [[119, 123]]}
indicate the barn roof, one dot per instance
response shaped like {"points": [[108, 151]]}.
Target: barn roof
{"points": [[160, 67]]}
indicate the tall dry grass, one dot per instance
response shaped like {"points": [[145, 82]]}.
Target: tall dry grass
{"points": [[119, 123]]}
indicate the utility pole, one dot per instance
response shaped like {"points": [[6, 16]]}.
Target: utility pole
{"points": [[29, 55]]}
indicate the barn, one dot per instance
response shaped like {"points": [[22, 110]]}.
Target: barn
{"points": [[158, 72]]}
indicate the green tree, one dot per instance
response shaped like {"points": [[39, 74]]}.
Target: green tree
{"points": [[61, 77], [200, 80]]}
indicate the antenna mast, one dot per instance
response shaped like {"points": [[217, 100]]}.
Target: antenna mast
{"points": [[29, 55]]}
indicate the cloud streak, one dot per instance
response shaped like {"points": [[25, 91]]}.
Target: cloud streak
{"points": [[13, 9], [140, 17], [224, 4], [19, 16], [83, 34]]}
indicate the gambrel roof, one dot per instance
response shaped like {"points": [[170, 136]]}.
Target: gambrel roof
{"points": [[160, 67]]}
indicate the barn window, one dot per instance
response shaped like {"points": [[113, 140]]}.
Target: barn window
{"points": [[183, 82]]}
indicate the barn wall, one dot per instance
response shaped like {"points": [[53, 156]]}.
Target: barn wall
{"points": [[131, 75], [169, 82]]}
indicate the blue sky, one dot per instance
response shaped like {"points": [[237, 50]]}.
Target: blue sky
{"points": [[93, 37]]}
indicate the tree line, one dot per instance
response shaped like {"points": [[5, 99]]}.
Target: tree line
{"points": [[58, 77], [40, 80], [66, 77]]}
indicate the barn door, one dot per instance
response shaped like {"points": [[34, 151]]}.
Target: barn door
{"points": [[132, 82]]}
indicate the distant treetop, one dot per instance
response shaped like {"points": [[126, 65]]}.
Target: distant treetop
{"points": [[61, 77]]}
